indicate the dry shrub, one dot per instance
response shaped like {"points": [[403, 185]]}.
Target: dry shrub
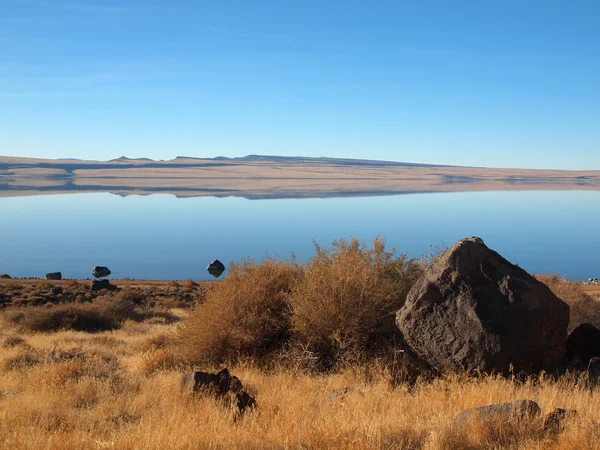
{"points": [[584, 308], [345, 304], [245, 315], [160, 360], [23, 360], [105, 313], [13, 341]]}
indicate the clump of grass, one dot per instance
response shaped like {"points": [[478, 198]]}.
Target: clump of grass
{"points": [[24, 359], [105, 313], [160, 360], [245, 315], [13, 341], [344, 306], [584, 308]]}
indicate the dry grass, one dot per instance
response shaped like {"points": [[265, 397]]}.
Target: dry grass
{"points": [[71, 390], [119, 389], [584, 307]]}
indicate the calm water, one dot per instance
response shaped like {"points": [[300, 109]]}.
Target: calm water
{"points": [[164, 237]]}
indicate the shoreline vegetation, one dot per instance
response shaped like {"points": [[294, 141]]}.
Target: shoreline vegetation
{"points": [[312, 342], [259, 177]]}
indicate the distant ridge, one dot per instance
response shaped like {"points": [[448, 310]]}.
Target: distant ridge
{"points": [[125, 158], [314, 160]]}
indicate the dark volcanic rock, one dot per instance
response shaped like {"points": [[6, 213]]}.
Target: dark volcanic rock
{"points": [[584, 343], [98, 285], [473, 310], [244, 401], [100, 271], [56, 290], [502, 412], [54, 276], [216, 268], [219, 383], [554, 422], [5, 276]]}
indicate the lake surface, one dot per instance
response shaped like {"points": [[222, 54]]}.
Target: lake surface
{"points": [[165, 237]]}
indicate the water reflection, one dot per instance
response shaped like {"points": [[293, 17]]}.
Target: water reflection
{"points": [[164, 237]]}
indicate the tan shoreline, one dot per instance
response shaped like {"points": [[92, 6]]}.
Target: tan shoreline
{"points": [[272, 178]]}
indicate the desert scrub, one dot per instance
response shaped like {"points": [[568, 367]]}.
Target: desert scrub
{"points": [[344, 306], [245, 315], [340, 306]]}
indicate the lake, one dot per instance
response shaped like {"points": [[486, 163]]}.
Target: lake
{"points": [[165, 237]]}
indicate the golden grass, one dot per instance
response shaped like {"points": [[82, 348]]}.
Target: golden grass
{"points": [[83, 391], [75, 390], [120, 390]]}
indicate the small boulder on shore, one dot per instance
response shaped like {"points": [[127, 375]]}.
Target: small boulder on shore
{"points": [[472, 310], [583, 343], [221, 382], [501, 412], [54, 276], [98, 285]]}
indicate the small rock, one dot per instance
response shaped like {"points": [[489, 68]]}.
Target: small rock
{"points": [[584, 343], [54, 276], [56, 290], [504, 412], [98, 285], [219, 383], [554, 422], [216, 268], [101, 271], [245, 401]]}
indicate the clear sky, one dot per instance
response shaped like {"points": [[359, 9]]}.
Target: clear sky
{"points": [[484, 83]]}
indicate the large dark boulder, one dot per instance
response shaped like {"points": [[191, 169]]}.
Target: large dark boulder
{"points": [[54, 276], [5, 276], [472, 310], [583, 343]]}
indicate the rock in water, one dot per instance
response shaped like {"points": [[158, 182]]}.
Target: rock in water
{"points": [[54, 276], [100, 271], [216, 268], [474, 310], [98, 285]]}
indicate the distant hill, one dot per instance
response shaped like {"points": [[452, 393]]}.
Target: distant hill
{"points": [[314, 160]]}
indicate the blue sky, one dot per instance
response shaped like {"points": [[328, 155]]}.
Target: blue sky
{"points": [[483, 83]]}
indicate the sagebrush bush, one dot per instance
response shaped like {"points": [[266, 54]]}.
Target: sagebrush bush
{"points": [[584, 308], [341, 305], [105, 313], [245, 315], [344, 306]]}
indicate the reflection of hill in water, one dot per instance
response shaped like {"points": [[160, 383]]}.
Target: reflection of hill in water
{"points": [[261, 177]]}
